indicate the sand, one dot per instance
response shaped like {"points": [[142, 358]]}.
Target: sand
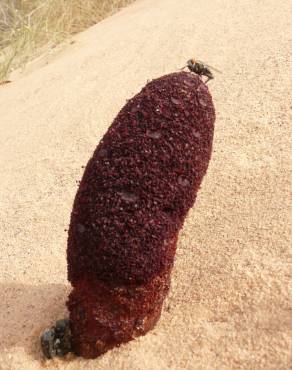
{"points": [[229, 305]]}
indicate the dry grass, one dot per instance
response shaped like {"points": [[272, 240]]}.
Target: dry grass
{"points": [[28, 27]]}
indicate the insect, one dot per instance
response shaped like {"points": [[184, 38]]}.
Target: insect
{"points": [[200, 68]]}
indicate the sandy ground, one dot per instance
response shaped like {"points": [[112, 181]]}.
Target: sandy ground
{"points": [[229, 306]]}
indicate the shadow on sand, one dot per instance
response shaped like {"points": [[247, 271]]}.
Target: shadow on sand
{"points": [[26, 310]]}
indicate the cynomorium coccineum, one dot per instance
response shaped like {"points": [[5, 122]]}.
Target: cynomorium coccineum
{"points": [[131, 203]]}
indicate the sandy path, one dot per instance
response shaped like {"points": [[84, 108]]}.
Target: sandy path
{"points": [[229, 305]]}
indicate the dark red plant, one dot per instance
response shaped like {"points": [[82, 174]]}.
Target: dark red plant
{"points": [[131, 203]]}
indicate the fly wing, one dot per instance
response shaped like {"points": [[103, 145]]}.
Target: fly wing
{"points": [[207, 65]]}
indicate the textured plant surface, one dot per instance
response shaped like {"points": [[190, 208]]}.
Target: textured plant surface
{"points": [[29, 28], [132, 201]]}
